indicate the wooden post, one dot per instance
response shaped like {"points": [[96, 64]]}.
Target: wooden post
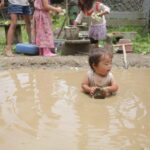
{"points": [[125, 57], [146, 9], [67, 12]]}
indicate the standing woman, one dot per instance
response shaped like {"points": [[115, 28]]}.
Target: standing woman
{"points": [[42, 26], [16, 7]]}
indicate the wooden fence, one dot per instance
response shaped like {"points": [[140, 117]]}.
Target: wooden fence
{"points": [[116, 19], [119, 18], [131, 18]]}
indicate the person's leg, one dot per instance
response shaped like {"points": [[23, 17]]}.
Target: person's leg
{"points": [[10, 34], [95, 42], [47, 52], [27, 20], [26, 12], [41, 51], [97, 45]]}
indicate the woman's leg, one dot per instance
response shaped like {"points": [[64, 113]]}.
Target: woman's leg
{"points": [[10, 34], [27, 19], [97, 45], [95, 42], [47, 52], [41, 51]]}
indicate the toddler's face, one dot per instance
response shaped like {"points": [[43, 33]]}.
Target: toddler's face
{"points": [[104, 66]]}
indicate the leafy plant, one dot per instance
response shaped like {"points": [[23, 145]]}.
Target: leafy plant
{"points": [[141, 43]]}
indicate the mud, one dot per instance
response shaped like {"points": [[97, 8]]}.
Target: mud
{"points": [[35, 62], [45, 109]]}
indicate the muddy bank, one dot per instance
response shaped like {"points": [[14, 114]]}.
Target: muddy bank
{"points": [[35, 62]]}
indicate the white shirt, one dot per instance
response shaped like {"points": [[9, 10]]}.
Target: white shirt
{"points": [[101, 7], [100, 81], [19, 2]]}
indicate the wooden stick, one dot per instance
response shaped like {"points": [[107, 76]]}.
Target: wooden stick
{"points": [[125, 56], [62, 26], [118, 45]]}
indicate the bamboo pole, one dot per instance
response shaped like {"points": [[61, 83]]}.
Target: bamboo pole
{"points": [[67, 12], [118, 45], [125, 56], [124, 53]]}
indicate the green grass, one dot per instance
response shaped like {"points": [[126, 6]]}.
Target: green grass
{"points": [[57, 21], [142, 42]]}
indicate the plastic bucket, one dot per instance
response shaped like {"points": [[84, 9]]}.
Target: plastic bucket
{"points": [[27, 48]]}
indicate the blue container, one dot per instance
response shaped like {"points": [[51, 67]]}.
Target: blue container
{"points": [[27, 48]]}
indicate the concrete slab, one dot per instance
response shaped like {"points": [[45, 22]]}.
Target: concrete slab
{"points": [[72, 47]]}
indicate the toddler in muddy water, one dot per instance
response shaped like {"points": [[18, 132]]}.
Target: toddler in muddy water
{"points": [[99, 81]]}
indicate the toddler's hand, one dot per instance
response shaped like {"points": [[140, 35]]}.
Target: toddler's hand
{"points": [[105, 91], [92, 90]]}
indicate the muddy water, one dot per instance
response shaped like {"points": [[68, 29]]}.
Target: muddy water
{"points": [[47, 110]]}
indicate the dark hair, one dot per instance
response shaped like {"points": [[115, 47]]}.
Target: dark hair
{"points": [[88, 4], [96, 54]]}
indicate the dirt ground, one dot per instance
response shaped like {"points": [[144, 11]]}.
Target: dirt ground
{"points": [[38, 62]]}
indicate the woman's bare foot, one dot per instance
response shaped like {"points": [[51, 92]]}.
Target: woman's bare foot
{"points": [[9, 53]]}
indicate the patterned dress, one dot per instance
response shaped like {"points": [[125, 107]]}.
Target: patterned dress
{"points": [[42, 27]]}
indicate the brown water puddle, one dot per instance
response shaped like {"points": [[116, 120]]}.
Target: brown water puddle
{"points": [[47, 110]]}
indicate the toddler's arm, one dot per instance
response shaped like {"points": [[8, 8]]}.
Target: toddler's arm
{"points": [[86, 88], [112, 88]]}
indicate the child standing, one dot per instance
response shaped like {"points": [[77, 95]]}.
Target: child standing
{"points": [[16, 7], [1, 3], [100, 61], [97, 29], [42, 27]]}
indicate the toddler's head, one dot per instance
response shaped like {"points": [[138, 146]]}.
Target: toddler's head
{"points": [[100, 61]]}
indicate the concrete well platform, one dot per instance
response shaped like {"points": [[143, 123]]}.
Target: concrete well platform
{"points": [[72, 47]]}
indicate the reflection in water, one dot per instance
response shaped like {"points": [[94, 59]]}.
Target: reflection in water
{"points": [[46, 109]]}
